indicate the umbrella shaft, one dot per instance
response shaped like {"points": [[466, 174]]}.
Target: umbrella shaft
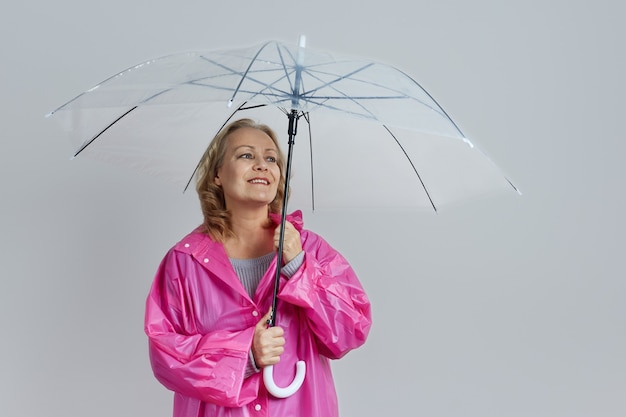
{"points": [[295, 100], [292, 130]]}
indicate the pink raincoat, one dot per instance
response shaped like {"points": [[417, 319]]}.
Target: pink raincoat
{"points": [[200, 323]]}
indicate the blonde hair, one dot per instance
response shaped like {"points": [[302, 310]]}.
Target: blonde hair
{"points": [[217, 221]]}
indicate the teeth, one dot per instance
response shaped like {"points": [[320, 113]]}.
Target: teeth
{"points": [[259, 181]]}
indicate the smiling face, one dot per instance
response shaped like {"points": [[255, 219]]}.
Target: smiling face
{"points": [[249, 174]]}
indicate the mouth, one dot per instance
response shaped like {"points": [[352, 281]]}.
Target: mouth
{"points": [[261, 181]]}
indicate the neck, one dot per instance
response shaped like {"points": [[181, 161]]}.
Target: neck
{"points": [[246, 222], [252, 238]]}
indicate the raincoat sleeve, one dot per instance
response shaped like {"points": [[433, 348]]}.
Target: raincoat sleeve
{"points": [[331, 296], [209, 367]]}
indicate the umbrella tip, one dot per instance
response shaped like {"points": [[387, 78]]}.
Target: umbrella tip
{"points": [[468, 142], [302, 41], [230, 103]]}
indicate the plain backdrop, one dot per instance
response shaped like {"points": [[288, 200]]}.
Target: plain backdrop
{"points": [[505, 306]]}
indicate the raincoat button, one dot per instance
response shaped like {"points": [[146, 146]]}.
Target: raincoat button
{"points": [[206, 260], [186, 245], [257, 407], [255, 313]]}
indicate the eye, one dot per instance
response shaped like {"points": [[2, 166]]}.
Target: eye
{"points": [[271, 159], [246, 156]]}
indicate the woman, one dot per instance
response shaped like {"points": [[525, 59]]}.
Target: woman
{"points": [[207, 311]]}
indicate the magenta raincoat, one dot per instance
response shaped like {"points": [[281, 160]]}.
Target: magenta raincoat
{"points": [[200, 323]]}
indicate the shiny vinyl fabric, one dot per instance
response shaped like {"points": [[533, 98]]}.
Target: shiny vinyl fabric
{"points": [[200, 323]]}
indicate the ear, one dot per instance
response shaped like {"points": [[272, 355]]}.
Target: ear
{"points": [[217, 181]]}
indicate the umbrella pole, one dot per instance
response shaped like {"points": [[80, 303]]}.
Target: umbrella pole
{"points": [[292, 131], [268, 371]]}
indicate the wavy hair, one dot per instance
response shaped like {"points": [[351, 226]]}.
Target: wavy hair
{"points": [[217, 218]]}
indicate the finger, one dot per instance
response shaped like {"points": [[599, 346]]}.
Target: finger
{"points": [[289, 228], [270, 360], [291, 236], [275, 347], [264, 321], [272, 338], [268, 339], [276, 332]]}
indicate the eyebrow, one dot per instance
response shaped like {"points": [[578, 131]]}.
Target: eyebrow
{"points": [[252, 147]]}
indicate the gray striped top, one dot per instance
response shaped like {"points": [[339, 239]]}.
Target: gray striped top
{"points": [[250, 272]]}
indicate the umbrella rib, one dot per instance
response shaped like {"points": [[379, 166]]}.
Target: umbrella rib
{"points": [[307, 117], [413, 166], [367, 115], [338, 78], [434, 101], [109, 79], [350, 112], [275, 91], [86, 144], [241, 107], [350, 74], [330, 84], [282, 62], [155, 95], [217, 64], [199, 81], [439, 109], [286, 95], [245, 73], [231, 70], [307, 95]]}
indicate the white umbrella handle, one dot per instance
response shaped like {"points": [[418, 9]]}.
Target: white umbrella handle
{"points": [[278, 392]]}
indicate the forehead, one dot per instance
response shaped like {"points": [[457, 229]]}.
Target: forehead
{"points": [[247, 136]]}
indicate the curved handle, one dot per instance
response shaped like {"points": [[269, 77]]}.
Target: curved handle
{"points": [[278, 392]]}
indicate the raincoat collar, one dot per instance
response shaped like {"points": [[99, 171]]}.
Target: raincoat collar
{"points": [[212, 256], [294, 218]]}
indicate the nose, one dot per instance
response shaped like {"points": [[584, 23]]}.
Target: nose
{"points": [[260, 165]]}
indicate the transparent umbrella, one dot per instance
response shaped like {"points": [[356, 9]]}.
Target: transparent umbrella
{"points": [[374, 137]]}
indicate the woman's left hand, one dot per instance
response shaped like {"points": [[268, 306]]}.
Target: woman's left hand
{"points": [[292, 245]]}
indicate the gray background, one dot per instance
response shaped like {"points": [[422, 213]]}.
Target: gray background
{"points": [[507, 306]]}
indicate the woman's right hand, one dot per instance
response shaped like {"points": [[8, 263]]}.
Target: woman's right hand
{"points": [[268, 343]]}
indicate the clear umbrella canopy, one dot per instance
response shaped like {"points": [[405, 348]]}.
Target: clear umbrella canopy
{"points": [[374, 138]]}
